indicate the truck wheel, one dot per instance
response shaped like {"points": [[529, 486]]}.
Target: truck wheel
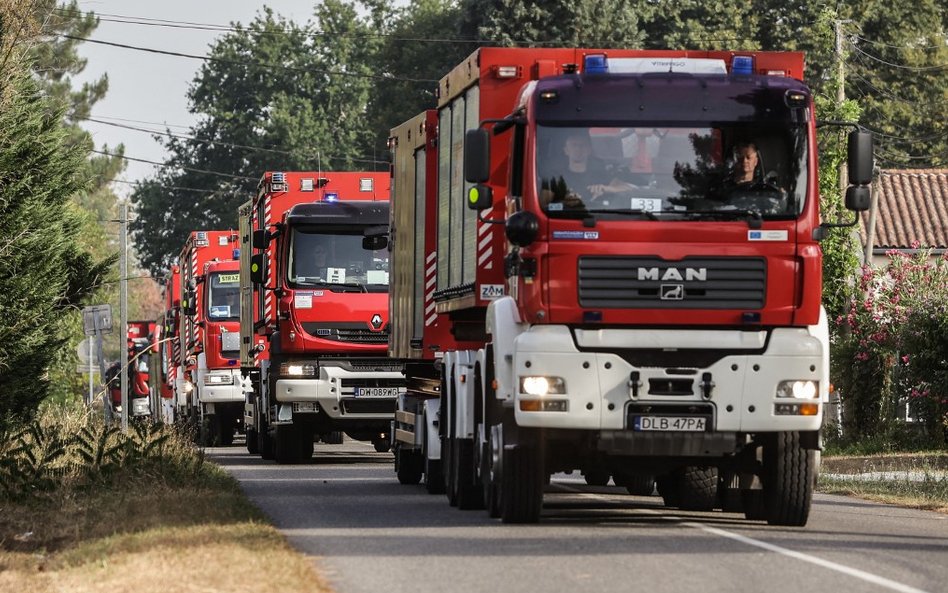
{"points": [[470, 494], [409, 466], [265, 441], [489, 482], [698, 488], [434, 479], [306, 445], [521, 485], [596, 477], [789, 472], [286, 446], [447, 470], [333, 438], [635, 484], [667, 486], [225, 431], [382, 446], [253, 446]]}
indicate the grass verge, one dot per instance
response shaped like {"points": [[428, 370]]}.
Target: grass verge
{"points": [[180, 525], [914, 480]]}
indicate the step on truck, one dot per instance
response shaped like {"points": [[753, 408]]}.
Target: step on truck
{"points": [[314, 329], [624, 248], [211, 398]]}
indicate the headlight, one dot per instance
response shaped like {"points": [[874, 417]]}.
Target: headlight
{"points": [[188, 387], [292, 369], [799, 389], [542, 385], [227, 379]]}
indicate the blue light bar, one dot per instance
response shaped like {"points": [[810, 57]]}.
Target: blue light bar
{"points": [[236, 253], [331, 197], [742, 65], [595, 64]]}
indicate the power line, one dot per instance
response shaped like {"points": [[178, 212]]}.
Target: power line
{"points": [[262, 65], [893, 65], [138, 121], [889, 45], [193, 170], [227, 144], [169, 187]]}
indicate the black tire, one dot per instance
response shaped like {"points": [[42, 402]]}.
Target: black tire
{"points": [[636, 484], [265, 441], [334, 438], [668, 489], [306, 445], [382, 446], [286, 446], [698, 488], [225, 431], [447, 471], [789, 473], [433, 478], [491, 492], [596, 477], [521, 486], [409, 466], [253, 447], [470, 493]]}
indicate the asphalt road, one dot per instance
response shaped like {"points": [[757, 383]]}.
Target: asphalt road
{"points": [[370, 534]]}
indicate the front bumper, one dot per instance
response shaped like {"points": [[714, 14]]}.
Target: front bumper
{"points": [[335, 392], [220, 393], [599, 390]]}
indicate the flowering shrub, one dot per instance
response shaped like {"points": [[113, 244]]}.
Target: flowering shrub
{"points": [[892, 346]]}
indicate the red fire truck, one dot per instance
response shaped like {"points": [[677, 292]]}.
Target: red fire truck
{"points": [[139, 341], [210, 396], [609, 261], [314, 329], [163, 369]]}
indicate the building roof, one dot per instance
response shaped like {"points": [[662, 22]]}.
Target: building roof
{"points": [[913, 206]]}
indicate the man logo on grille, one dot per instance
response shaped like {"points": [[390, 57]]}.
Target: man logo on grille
{"points": [[376, 321], [673, 292]]}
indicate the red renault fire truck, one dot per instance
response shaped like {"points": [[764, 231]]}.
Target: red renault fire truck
{"points": [[586, 278], [211, 397], [163, 368], [314, 325]]}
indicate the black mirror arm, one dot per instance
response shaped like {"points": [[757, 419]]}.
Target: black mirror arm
{"points": [[480, 217], [841, 225]]}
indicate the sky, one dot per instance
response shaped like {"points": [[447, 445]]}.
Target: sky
{"points": [[152, 88]]}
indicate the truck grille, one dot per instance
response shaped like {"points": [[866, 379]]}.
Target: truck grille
{"points": [[368, 406], [624, 282], [353, 333]]}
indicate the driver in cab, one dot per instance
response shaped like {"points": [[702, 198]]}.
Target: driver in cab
{"points": [[584, 174]]}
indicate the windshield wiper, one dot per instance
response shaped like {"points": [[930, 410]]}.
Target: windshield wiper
{"points": [[649, 214], [753, 217], [356, 286]]}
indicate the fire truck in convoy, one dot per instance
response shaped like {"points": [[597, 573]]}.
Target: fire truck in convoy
{"points": [[586, 278], [209, 391], [163, 368], [140, 345], [314, 324]]}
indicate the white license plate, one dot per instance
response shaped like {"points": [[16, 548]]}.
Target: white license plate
{"points": [[670, 423], [376, 391], [647, 204]]}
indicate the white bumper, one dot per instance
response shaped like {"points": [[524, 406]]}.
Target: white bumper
{"points": [[218, 393], [745, 378], [335, 393]]}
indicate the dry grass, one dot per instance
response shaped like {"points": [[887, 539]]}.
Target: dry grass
{"points": [[928, 491], [162, 522]]}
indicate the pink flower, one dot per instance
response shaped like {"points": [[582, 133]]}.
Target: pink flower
{"points": [[905, 358], [862, 356]]}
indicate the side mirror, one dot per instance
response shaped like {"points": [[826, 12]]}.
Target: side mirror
{"points": [[258, 269], [188, 304], [260, 239], [374, 242], [522, 228], [858, 198], [480, 197], [859, 149], [476, 156]]}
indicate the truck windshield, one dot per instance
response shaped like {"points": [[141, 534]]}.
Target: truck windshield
{"points": [[335, 260], [223, 299], [677, 173]]}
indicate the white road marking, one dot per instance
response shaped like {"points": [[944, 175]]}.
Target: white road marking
{"points": [[841, 568]]}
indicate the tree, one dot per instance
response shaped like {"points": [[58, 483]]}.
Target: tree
{"points": [[43, 269], [562, 23], [276, 96]]}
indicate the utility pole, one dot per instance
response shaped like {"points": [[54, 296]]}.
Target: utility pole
{"points": [[841, 96], [123, 308]]}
